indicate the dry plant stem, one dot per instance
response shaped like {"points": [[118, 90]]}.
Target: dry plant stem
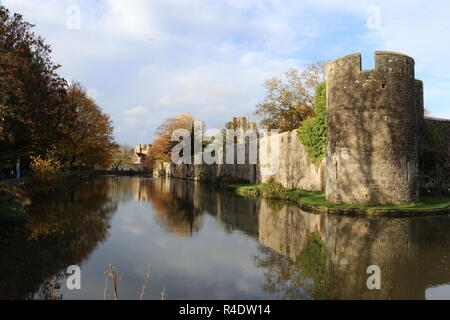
{"points": [[144, 284], [114, 279], [112, 273], [105, 291]]}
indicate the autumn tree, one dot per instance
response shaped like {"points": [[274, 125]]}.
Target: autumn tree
{"points": [[41, 116], [32, 117], [91, 134], [290, 98], [163, 144]]}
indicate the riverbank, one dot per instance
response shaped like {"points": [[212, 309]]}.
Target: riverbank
{"points": [[13, 217], [316, 202]]}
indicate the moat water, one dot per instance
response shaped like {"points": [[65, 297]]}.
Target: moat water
{"points": [[205, 244]]}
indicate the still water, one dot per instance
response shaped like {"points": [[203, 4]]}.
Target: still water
{"points": [[204, 244]]}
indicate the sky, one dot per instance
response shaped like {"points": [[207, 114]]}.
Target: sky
{"points": [[146, 61]]}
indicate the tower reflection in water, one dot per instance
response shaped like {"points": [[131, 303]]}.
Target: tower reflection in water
{"points": [[310, 256]]}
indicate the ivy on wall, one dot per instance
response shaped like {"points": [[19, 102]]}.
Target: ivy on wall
{"points": [[313, 132], [434, 151]]}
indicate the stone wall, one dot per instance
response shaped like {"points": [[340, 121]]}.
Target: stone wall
{"points": [[435, 177], [207, 173], [295, 168], [288, 164]]}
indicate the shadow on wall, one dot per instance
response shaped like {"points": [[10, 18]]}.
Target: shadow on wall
{"points": [[373, 151]]}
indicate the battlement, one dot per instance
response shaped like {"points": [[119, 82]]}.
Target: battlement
{"points": [[384, 61]]}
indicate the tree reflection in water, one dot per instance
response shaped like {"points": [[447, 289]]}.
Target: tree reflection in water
{"points": [[62, 232]]}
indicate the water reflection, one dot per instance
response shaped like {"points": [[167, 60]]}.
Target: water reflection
{"points": [[61, 233], [206, 244], [336, 251]]}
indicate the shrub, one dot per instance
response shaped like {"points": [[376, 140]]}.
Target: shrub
{"points": [[273, 190], [313, 132], [45, 170]]}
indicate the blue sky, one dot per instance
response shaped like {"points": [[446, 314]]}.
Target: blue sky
{"points": [[145, 61]]}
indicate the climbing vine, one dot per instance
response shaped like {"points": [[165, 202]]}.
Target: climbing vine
{"points": [[313, 132], [433, 154]]}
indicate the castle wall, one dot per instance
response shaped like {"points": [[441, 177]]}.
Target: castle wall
{"points": [[372, 125], [288, 164], [295, 168], [443, 126], [208, 173], [436, 177]]}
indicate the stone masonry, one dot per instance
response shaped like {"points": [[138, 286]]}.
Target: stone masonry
{"points": [[373, 120]]}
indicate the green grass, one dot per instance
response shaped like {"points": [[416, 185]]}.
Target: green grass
{"points": [[317, 199]]}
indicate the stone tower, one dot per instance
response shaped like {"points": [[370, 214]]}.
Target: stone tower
{"points": [[373, 120]]}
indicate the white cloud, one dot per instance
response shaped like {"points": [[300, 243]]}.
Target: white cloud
{"points": [[138, 111], [210, 58]]}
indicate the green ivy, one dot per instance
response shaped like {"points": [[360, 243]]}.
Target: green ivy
{"points": [[437, 144], [313, 132]]}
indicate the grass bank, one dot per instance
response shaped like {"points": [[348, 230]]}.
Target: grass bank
{"points": [[316, 200]]}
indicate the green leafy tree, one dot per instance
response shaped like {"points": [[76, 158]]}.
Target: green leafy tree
{"points": [[290, 98]]}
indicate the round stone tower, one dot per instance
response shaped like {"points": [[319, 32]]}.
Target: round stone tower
{"points": [[373, 119]]}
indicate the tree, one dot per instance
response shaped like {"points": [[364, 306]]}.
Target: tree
{"points": [[163, 144], [41, 116], [91, 134], [290, 98], [32, 117], [123, 155]]}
